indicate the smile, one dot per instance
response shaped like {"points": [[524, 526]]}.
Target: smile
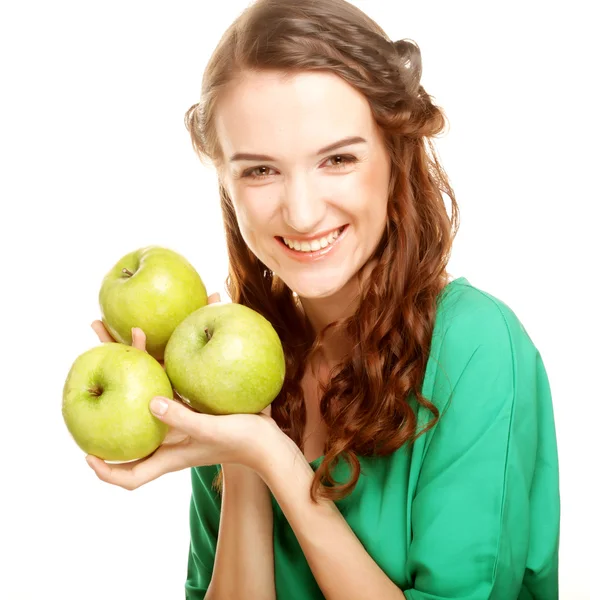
{"points": [[316, 249], [315, 244]]}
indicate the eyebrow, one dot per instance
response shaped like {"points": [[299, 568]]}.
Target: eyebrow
{"points": [[349, 141]]}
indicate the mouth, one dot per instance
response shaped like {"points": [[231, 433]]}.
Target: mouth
{"points": [[309, 250]]}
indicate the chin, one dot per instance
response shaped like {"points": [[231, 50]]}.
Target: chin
{"points": [[316, 294], [315, 290]]}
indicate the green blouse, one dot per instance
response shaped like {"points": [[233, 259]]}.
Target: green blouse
{"points": [[471, 510]]}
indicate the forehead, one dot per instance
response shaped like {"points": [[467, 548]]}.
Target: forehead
{"points": [[284, 115]]}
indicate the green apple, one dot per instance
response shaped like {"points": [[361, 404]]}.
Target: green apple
{"points": [[153, 288], [106, 400], [224, 359]]}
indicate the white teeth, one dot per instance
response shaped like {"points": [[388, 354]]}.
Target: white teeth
{"points": [[313, 245]]}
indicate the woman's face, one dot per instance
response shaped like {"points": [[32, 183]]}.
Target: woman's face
{"points": [[304, 161]]}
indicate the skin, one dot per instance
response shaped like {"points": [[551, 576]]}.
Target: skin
{"points": [[301, 193]]}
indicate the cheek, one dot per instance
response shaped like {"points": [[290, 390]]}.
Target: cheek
{"points": [[375, 192], [254, 210], [367, 198]]}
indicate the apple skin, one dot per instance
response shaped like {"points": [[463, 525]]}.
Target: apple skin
{"points": [[240, 369], [117, 425], [163, 289]]}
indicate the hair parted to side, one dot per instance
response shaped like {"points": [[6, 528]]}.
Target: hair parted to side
{"points": [[366, 403]]}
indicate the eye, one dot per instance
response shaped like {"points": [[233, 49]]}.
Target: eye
{"points": [[260, 172], [342, 160]]}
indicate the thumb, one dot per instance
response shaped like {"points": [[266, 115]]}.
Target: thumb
{"points": [[177, 414]]}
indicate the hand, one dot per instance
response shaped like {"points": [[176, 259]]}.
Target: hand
{"points": [[193, 439]]}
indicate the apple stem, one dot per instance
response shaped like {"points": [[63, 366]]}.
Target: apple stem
{"points": [[207, 334], [128, 272], [95, 390]]}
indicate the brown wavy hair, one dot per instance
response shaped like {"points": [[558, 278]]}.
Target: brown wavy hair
{"points": [[366, 403]]}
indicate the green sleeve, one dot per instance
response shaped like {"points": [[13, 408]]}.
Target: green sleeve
{"points": [[205, 508], [485, 516]]}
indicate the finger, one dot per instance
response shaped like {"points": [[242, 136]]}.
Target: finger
{"points": [[138, 338], [174, 436], [101, 331], [132, 475], [179, 416], [214, 298], [124, 475]]}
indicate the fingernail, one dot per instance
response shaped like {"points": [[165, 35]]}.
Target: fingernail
{"points": [[159, 406]]}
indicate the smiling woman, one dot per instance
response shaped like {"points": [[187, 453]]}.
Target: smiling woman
{"points": [[333, 202], [411, 451]]}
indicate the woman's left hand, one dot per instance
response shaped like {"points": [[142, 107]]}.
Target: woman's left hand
{"points": [[195, 439]]}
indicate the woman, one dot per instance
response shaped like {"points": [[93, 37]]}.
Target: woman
{"points": [[411, 452]]}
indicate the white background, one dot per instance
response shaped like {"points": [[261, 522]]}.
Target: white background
{"points": [[96, 162]]}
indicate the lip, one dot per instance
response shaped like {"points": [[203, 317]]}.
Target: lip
{"points": [[316, 254], [309, 238]]}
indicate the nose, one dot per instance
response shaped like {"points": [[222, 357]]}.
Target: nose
{"points": [[303, 207]]}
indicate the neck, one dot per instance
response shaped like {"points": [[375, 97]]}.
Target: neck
{"points": [[320, 312]]}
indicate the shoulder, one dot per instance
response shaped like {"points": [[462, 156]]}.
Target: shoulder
{"points": [[479, 345], [469, 317]]}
